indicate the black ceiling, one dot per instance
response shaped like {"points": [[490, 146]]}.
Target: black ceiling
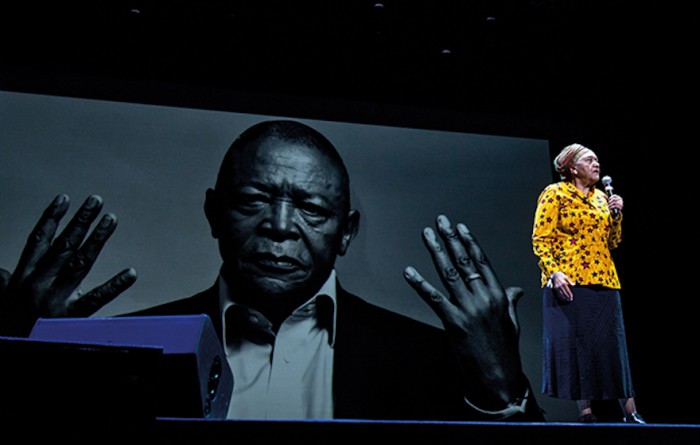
{"points": [[548, 58]]}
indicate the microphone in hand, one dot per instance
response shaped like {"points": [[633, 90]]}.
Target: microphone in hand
{"points": [[607, 182]]}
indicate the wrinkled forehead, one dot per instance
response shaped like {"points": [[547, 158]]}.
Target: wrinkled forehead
{"points": [[585, 154], [274, 153], [287, 167]]}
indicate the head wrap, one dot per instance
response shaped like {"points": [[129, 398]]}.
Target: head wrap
{"points": [[567, 158]]}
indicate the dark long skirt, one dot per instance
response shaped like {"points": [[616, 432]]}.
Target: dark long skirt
{"points": [[585, 348]]}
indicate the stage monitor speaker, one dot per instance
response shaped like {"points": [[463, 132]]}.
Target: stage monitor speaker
{"points": [[194, 379], [51, 389]]}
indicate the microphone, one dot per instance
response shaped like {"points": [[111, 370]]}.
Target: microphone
{"points": [[607, 181]]}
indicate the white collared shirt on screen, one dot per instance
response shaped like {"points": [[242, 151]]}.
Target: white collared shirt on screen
{"points": [[292, 377]]}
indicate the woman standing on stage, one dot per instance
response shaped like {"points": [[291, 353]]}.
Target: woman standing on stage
{"points": [[585, 349]]}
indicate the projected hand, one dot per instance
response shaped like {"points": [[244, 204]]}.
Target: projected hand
{"points": [[478, 314], [46, 280]]}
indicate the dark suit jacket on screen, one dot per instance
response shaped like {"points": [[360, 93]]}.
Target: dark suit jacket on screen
{"points": [[387, 366]]}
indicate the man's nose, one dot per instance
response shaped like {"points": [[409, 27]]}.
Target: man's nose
{"points": [[282, 217]]}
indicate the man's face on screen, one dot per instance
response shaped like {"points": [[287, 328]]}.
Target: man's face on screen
{"points": [[280, 221]]}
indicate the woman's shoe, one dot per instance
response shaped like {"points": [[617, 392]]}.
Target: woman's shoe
{"points": [[588, 418], [633, 418]]}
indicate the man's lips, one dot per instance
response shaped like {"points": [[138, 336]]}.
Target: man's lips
{"points": [[275, 263]]}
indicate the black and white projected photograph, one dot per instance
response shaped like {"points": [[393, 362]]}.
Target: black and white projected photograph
{"points": [[153, 164]]}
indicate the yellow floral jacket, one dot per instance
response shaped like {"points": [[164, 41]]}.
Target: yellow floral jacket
{"points": [[574, 234]]}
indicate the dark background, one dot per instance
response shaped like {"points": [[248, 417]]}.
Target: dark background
{"points": [[608, 74]]}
